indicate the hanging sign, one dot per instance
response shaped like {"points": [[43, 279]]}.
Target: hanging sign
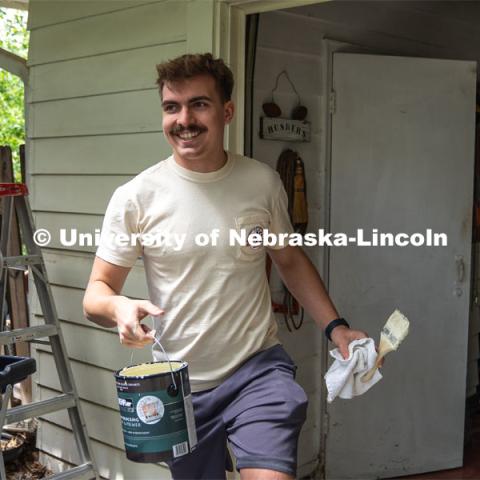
{"points": [[284, 129]]}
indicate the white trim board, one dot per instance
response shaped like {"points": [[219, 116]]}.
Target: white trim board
{"points": [[14, 64]]}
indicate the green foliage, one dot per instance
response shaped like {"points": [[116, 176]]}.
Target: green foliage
{"points": [[14, 38]]}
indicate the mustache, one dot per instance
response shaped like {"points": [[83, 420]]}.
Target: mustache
{"points": [[189, 128]]}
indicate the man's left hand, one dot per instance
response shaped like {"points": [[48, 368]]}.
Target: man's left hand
{"points": [[342, 336]]}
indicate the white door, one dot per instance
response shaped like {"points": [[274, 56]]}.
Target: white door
{"points": [[402, 161]]}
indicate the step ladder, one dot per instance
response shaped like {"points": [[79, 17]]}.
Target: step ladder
{"points": [[14, 199]]}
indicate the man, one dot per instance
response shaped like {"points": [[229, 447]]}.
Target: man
{"points": [[212, 303]]}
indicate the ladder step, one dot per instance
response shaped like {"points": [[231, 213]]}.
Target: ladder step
{"points": [[26, 334], [61, 402], [21, 260], [84, 471]]}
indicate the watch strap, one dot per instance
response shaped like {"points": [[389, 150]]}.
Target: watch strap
{"points": [[335, 323]]}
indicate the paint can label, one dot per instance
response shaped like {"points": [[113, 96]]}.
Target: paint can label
{"points": [[153, 422], [156, 411]]}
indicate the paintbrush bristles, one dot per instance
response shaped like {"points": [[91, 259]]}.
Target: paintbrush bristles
{"points": [[395, 330]]}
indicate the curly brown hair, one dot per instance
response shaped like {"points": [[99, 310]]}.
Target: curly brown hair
{"points": [[191, 65]]}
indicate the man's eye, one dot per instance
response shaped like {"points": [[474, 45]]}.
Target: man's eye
{"points": [[169, 108], [200, 104]]}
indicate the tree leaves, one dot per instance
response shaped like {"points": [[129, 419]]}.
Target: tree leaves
{"points": [[13, 31], [14, 38]]}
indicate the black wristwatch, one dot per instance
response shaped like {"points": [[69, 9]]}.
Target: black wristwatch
{"points": [[335, 323]]}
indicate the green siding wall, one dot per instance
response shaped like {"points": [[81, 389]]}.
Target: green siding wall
{"points": [[94, 121]]}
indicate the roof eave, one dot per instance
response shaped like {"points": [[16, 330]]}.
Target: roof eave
{"points": [[17, 4]]}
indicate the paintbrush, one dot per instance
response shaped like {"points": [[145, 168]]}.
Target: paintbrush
{"points": [[392, 334]]}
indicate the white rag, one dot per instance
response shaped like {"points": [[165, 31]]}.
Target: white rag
{"points": [[343, 377]]}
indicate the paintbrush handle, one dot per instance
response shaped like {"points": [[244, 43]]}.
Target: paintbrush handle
{"points": [[366, 377]]}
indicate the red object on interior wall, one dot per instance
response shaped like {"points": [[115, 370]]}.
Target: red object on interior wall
{"points": [[281, 308]]}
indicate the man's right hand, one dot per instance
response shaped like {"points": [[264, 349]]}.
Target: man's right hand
{"points": [[104, 305], [128, 316]]}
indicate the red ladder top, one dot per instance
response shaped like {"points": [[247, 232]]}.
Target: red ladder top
{"points": [[13, 189]]}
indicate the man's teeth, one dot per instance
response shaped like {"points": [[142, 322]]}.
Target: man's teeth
{"points": [[188, 135]]}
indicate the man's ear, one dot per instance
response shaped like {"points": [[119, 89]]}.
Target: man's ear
{"points": [[229, 110]]}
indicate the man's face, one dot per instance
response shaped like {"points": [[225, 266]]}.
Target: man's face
{"points": [[194, 119]]}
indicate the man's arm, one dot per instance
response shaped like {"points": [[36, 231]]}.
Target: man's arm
{"points": [[103, 304], [305, 284]]}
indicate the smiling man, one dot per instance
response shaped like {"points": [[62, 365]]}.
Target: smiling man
{"points": [[212, 303]]}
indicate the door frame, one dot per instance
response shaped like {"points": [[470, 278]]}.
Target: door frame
{"points": [[230, 27]]}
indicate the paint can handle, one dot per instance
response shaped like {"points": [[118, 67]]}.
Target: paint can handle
{"points": [[157, 341]]}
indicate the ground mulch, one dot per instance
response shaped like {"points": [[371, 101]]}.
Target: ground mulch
{"points": [[26, 466]]}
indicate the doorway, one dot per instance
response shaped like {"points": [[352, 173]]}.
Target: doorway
{"points": [[326, 21]]}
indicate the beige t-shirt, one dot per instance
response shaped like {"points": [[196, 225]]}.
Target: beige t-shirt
{"points": [[216, 297]]}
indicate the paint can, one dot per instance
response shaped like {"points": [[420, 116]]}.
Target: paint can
{"points": [[156, 411]]}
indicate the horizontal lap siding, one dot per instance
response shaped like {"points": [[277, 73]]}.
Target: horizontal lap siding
{"points": [[120, 71], [97, 348], [83, 224], [103, 424], [125, 154], [121, 30], [116, 113], [71, 269], [101, 392], [94, 121], [58, 441], [49, 12], [74, 194]]}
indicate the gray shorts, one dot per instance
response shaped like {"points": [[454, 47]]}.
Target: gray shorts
{"points": [[260, 410]]}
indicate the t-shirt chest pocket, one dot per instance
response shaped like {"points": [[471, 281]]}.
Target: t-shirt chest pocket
{"points": [[247, 225]]}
